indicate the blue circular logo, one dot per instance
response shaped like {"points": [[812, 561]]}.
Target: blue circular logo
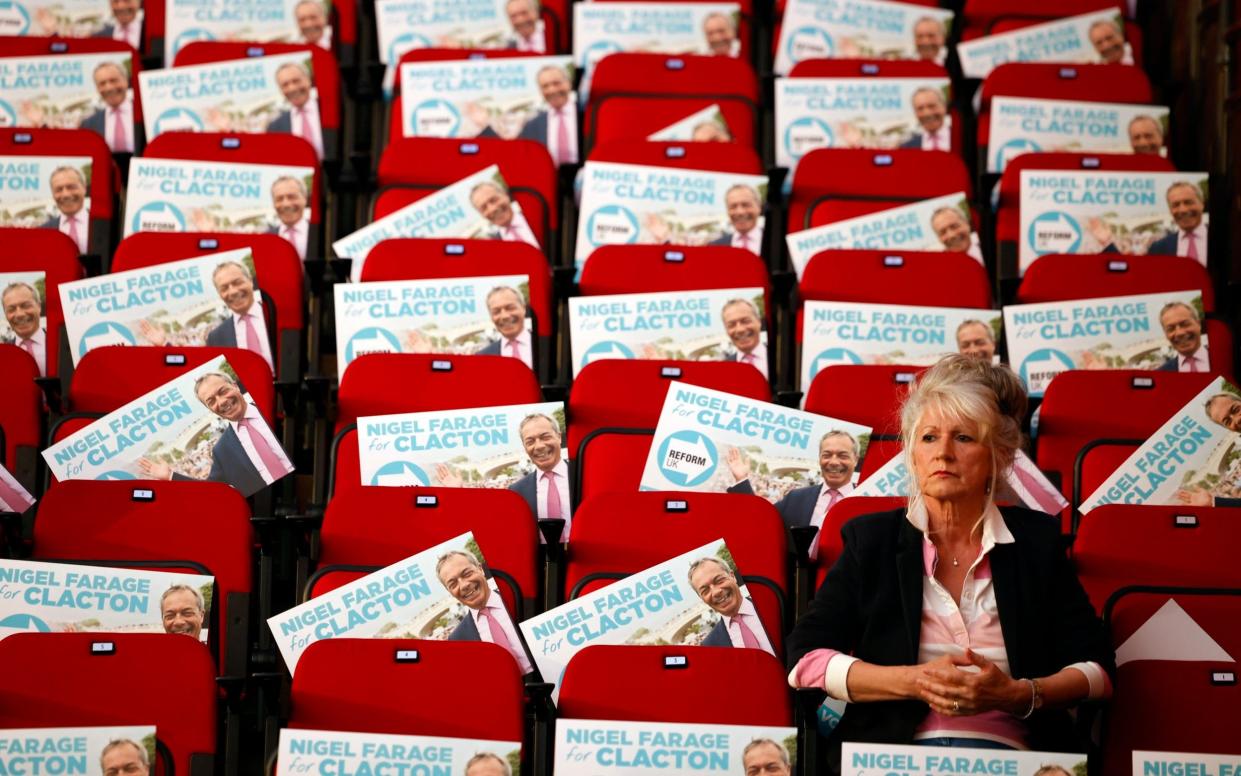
{"points": [[1038, 368], [809, 43], [1013, 148], [103, 334], [832, 357], [178, 119], [1054, 232], [400, 473], [435, 118], [115, 474], [612, 224], [25, 622], [14, 20], [158, 217], [604, 350], [189, 36], [406, 41], [806, 134], [598, 50], [8, 116], [372, 339], [687, 458]]}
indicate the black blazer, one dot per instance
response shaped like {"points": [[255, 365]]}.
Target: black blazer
{"points": [[871, 606], [231, 465]]}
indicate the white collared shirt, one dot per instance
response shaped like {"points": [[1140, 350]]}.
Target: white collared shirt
{"points": [[82, 221], [325, 40], [243, 435], [943, 137], [300, 231], [567, 114], [821, 504], [754, 240], [975, 249], [517, 230], [1199, 356], [760, 358], [316, 127], [39, 338], [750, 615], [495, 608], [260, 326], [561, 470], [1200, 242], [131, 34], [524, 347], [126, 109], [536, 43]]}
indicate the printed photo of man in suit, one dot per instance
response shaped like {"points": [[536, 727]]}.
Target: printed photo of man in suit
{"points": [[838, 459], [115, 120], [122, 756], [126, 24], [720, 31], [744, 327], [1145, 135], [929, 40], [954, 232], [556, 125], [738, 626], [1223, 409], [486, 618], [508, 313], [492, 201], [69, 193], [183, 610], [289, 199], [1183, 328], [1187, 206], [975, 338], [528, 33], [302, 116], [312, 24], [765, 757], [24, 313], [931, 110], [745, 212], [546, 489], [247, 455]]}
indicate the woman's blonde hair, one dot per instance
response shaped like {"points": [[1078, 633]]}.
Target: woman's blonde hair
{"points": [[971, 390]]}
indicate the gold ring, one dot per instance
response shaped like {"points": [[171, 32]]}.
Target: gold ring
{"points": [[956, 705]]}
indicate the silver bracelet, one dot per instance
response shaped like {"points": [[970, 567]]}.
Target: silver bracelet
{"points": [[1033, 699]]}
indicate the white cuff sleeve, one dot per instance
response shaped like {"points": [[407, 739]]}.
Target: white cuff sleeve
{"points": [[835, 679], [1094, 676]]}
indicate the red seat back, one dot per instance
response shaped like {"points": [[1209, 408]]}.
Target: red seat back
{"points": [[633, 269], [611, 462], [715, 157], [1059, 277], [870, 394], [21, 408], [104, 177], [830, 543], [55, 255], [896, 277]]}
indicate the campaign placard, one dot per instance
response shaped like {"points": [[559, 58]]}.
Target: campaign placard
{"points": [[1024, 484], [591, 747], [643, 205], [660, 605], [853, 333], [860, 113], [680, 325], [23, 299], [600, 29], [882, 759], [478, 206], [711, 441], [335, 751], [1118, 332], [424, 316], [1194, 458], [1090, 38], [404, 25], [165, 304], [474, 448], [444, 593], [480, 98], [701, 126], [937, 224], [266, 21], [173, 195], [1022, 125], [851, 29], [199, 426], [13, 495], [38, 597], [1141, 213], [258, 94], [1165, 763], [76, 750], [27, 198], [66, 18], [69, 91]]}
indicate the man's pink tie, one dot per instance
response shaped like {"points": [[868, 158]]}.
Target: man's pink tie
{"points": [[252, 335], [13, 502], [553, 496], [28, 346], [934, 138], [271, 461], [1191, 250], [120, 138], [563, 155], [833, 496], [1191, 364], [500, 638], [748, 639], [73, 232], [290, 234], [1046, 501]]}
